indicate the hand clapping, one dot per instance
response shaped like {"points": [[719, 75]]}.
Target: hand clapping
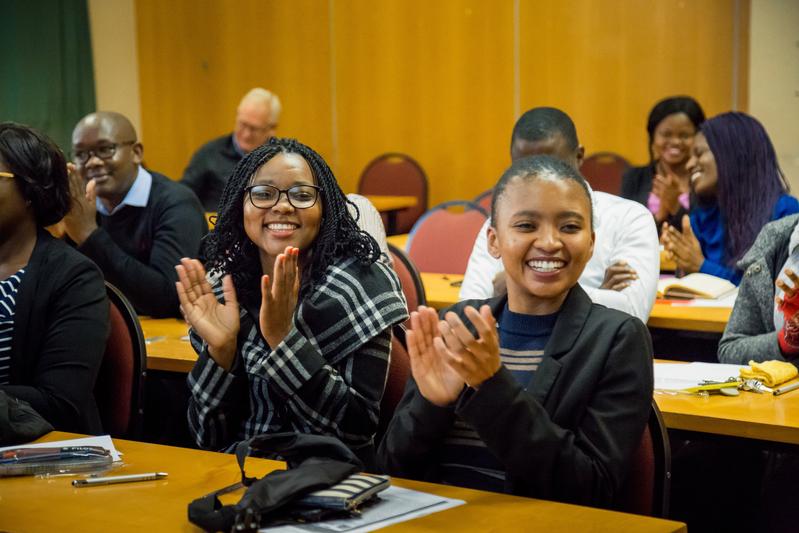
{"points": [[279, 298], [445, 355], [217, 323], [683, 247]]}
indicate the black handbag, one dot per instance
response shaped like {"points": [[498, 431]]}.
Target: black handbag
{"points": [[315, 462]]}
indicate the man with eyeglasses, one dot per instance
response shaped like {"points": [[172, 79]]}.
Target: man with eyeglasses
{"points": [[209, 168], [135, 224]]}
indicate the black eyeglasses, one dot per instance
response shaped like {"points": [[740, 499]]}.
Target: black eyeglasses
{"points": [[105, 151], [267, 196]]}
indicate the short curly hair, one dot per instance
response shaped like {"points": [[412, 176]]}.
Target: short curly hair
{"points": [[39, 168]]}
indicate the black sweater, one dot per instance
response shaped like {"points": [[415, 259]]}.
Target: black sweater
{"points": [[60, 331], [570, 435], [636, 184], [209, 168], [137, 248]]}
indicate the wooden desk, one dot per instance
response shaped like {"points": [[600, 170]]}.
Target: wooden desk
{"points": [[390, 205], [168, 348], [400, 241], [440, 290], [210, 218], [678, 316], [749, 415], [30, 504]]}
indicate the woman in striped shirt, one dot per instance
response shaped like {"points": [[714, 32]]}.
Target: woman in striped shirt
{"points": [[53, 308], [538, 393]]}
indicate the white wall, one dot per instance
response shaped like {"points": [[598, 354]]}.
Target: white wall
{"points": [[116, 63], [774, 78]]}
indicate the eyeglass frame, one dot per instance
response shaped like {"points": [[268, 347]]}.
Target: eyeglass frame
{"points": [[93, 152], [280, 193]]}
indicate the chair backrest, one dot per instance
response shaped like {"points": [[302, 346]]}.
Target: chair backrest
{"points": [[396, 174], [604, 171], [442, 240], [411, 281], [399, 370], [646, 489], [119, 389], [484, 200]]}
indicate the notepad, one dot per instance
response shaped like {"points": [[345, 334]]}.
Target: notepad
{"points": [[696, 285]]}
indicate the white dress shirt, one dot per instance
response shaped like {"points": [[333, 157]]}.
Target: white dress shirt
{"points": [[625, 230]]}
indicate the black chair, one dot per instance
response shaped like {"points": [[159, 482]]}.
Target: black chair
{"points": [[119, 390]]}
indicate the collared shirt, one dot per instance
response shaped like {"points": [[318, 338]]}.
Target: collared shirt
{"points": [[625, 230], [138, 194]]}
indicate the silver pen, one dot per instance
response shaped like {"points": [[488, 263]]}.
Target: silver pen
{"points": [[786, 388], [109, 480]]}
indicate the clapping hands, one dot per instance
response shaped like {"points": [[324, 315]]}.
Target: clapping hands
{"points": [[445, 356]]}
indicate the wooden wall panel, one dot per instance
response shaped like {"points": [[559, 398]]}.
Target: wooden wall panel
{"points": [[608, 62], [432, 79], [197, 58]]}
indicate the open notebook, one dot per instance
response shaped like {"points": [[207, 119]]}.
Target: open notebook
{"points": [[696, 285]]}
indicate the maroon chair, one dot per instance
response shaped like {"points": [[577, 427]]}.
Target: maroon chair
{"points": [[409, 277], [604, 171], [396, 174], [484, 200], [399, 370], [442, 240], [646, 489], [119, 390]]}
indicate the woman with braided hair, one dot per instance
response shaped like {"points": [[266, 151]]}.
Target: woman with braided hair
{"points": [[293, 322]]}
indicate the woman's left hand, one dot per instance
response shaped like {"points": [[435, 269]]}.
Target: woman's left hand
{"points": [[475, 360], [683, 247], [279, 297]]}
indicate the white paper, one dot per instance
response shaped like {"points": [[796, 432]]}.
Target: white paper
{"points": [[102, 440], [675, 376], [396, 505]]}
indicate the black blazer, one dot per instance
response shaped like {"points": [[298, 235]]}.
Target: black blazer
{"points": [[60, 331], [570, 435]]}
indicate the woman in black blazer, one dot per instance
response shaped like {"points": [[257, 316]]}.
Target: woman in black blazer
{"points": [[53, 307], [539, 393]]}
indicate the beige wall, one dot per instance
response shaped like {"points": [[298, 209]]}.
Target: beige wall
{"points": [[115, 54], [774, 78]]}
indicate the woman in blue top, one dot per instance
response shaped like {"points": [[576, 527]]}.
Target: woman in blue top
{"points": [[739, 187]]}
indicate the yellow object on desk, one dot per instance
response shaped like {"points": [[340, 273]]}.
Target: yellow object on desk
{"points": [[771, 373], [161, 505]]}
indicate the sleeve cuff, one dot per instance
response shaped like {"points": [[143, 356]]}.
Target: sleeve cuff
{"points": [[208, 381]]}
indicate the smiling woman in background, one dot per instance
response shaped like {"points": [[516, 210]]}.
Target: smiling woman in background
{"points": [[663, 185], [739, 187], [53, 307]]}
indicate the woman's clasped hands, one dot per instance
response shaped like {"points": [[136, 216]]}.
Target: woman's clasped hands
{"points": [[218, 322], [445, 356]]}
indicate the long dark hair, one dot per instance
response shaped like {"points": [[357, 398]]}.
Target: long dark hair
{"points": [[749, 178], [228, 250]]}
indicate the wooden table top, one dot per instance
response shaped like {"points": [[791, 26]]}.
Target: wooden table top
{"points": [[167, 344], [665, 314], [52, 504], [391, 203], [749, 415], [400, 241]]}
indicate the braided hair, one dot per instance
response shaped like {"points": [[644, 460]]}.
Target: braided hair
{"points": [[228, 250]]}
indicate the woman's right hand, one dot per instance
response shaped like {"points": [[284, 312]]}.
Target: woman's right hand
{"points": [[438, 382], [216, 323]]}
